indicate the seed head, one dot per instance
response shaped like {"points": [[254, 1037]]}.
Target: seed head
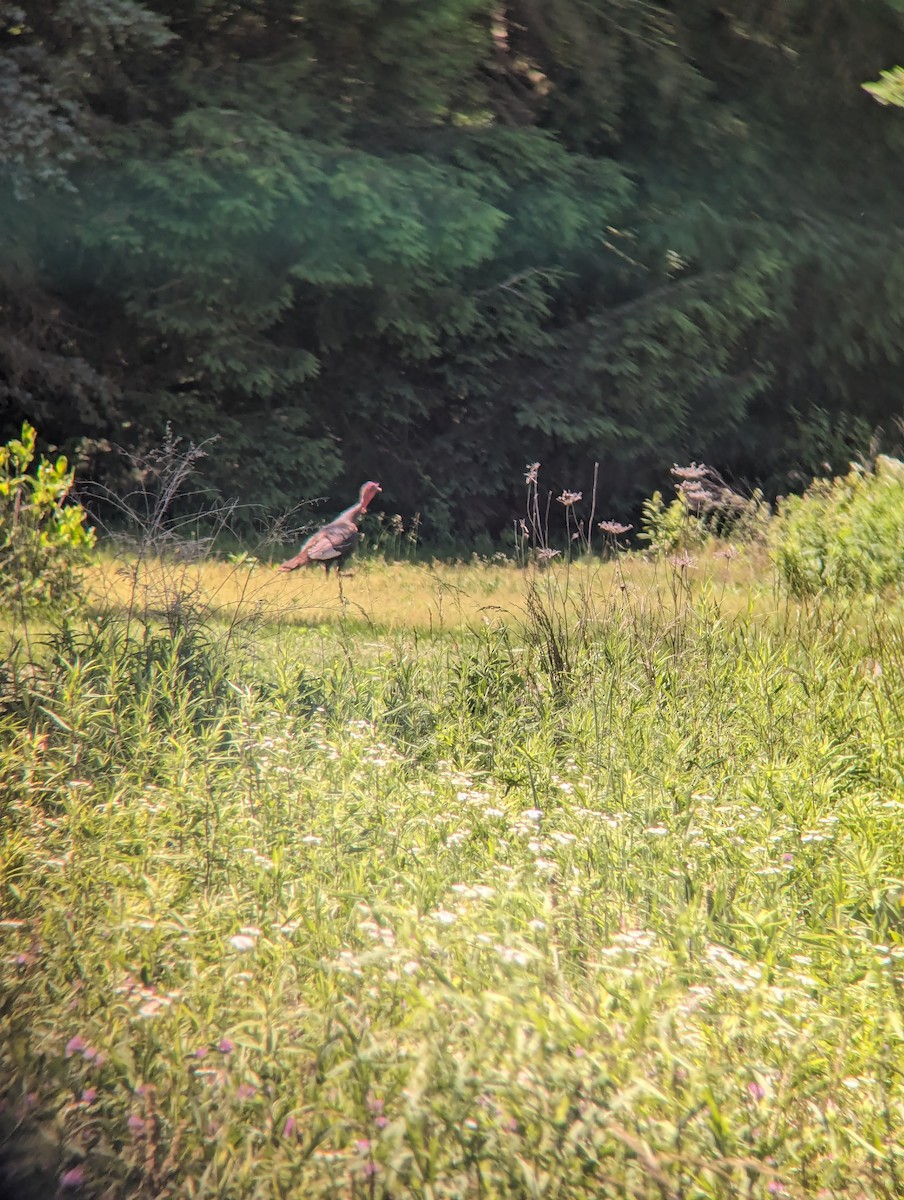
{"points": [[615, 528], [567, 499], [683, 561], [694, 471]]}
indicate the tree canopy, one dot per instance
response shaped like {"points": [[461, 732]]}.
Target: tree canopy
{"points": [[430, 242]]}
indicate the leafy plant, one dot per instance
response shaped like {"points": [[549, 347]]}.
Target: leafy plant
{"points": [[845, 534], [44, 538]]}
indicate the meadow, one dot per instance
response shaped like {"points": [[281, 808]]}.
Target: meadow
{"points": [[482, 881]]}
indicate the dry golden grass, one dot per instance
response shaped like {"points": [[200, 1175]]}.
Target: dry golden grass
{"points": [[431, 598]]}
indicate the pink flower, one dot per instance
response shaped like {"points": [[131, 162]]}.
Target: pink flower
{"points": [[290, 1127], [89, 1095], [89, 1053], [72, 1179], [381, 1122], [245, 1091], [362, 1145], [135, 1124], [756, 1090], [75, 1045], [202, 1052], [225, 1046]]}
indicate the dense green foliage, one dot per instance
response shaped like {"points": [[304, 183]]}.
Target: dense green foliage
{"points": [[330, 913], [428, 243], [844, 534], [43, 539]]}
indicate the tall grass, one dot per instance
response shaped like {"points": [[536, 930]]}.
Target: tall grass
{"points": [[587, 887]]}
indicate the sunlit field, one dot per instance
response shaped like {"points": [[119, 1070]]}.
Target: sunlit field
{"points": [[471, 881], [404, 596]]}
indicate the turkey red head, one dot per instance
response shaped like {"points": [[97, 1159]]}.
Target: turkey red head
{"points": [[368, 491]]}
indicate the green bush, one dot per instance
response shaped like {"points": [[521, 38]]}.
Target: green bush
{"points": [[43, 539], [845, 534]]}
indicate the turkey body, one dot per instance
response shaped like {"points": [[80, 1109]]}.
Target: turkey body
{"points": [[332, 544]]}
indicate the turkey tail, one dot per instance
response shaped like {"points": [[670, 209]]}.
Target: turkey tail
{"points": [[300, 560]]}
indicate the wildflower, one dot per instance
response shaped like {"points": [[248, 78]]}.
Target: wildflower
{"points": [[72, 1180], [444, 917], [242, 942], [362, 1145], [531, 472], [683, 560], [290, 1127], [245, 1091], [694, 493], [202, 1052], [546, 553], [135, 1124], [532, 814], [89, 1095], [567, 499], [225, 1046], [756, 1090], [615, 528], [694, 471]]}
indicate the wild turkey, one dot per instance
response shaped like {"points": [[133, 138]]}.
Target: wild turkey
{"points": [[332, 544]]}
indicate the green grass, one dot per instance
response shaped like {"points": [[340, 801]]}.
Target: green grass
{"points": [[592, 888]]}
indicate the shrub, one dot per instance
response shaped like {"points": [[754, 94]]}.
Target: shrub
{"points": [[845, 534], [43, 539]]}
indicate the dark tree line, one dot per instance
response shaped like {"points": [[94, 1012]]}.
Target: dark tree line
{"points": [[429, 242]]}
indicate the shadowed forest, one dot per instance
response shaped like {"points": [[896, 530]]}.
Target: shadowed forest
{"points": [[426, 243]]}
